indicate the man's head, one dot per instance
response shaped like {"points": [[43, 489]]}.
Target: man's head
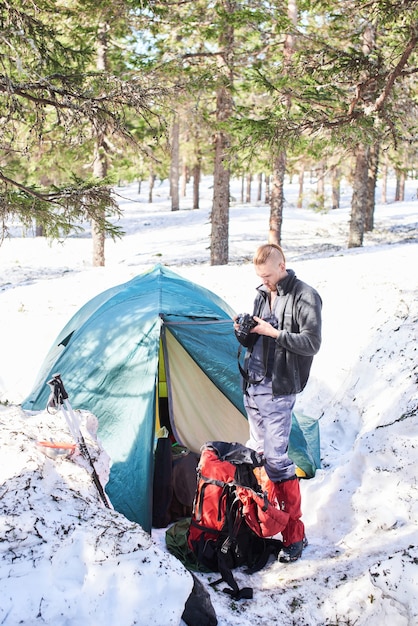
{"points": [[270, 265]]}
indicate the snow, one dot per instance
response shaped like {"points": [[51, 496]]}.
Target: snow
{"points": [[66, 559]]}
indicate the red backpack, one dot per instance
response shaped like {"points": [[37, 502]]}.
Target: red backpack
{"points": [[234, 513]]}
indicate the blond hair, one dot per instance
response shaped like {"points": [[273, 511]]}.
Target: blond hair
{"points": [[263, 253]]}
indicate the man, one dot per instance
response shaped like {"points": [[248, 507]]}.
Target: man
{"points": [[280, 350]]}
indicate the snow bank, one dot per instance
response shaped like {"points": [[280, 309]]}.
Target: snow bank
{"points": [[66, 559]]}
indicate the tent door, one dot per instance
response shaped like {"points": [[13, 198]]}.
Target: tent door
{"points": [[162, 413], [174, 481]]}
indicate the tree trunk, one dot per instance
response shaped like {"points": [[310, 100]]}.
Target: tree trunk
{"points": [[335, 188], [301, 179], [267, 189], [100, 166], [98, 238], [279, 160], [175, 164], [400, 186], [220, 208], [383, 197], [100, 162], [320, 187], [219, 248], [277, 198], [371, 186], [248, 189], [151, 183], [259, 186], [196, 183], [359, 198], [184, 179]]}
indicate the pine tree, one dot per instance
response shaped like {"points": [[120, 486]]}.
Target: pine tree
{"points": [[55, 103]]}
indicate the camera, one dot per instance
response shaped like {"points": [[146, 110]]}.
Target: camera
{"points": [[246, 322]]}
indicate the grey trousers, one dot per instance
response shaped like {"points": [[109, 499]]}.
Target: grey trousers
{"points": [[270, 421]]}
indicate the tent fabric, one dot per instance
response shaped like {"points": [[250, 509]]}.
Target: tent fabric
{"points": [[197, 419], [304, 444], [108, 356]]}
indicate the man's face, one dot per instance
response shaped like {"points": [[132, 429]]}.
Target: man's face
{"points": [[271, 272]]}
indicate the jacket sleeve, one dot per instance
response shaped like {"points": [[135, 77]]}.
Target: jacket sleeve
{"points": [[303, 334]]}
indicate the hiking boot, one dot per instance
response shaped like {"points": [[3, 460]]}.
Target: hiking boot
{"points": [[293, 552]]}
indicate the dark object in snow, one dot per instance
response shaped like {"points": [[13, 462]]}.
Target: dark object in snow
{"points": [[174, 482], [198, 610]]}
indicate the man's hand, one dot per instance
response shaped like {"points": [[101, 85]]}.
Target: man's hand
{"points": [[265, 328]]}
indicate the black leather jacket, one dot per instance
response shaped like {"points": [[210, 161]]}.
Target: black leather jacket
{"points": [[300, 338]]}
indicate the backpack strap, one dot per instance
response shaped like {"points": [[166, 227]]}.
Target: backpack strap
{"points": [[246, 593], [198, 503], [234, 519]]}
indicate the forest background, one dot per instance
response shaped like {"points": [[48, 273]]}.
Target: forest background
{"points": [[94, 94]]}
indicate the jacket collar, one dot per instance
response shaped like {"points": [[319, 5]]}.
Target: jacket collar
{"points": [[283, 287]]}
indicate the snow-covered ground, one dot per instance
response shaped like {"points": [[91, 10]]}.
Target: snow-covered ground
{"points": [[66, 559]]}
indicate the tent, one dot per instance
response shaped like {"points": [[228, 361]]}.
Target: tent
{"points": [[158, 336]]}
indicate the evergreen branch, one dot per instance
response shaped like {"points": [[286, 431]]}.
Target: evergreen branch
{"points": [[30, 191], [397, 70], [59, 209], [124, 92]]}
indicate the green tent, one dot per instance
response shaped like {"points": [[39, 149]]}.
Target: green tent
{"points": [[157, 336]]}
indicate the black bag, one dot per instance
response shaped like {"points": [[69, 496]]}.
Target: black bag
{"points": [[174, 483]]}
